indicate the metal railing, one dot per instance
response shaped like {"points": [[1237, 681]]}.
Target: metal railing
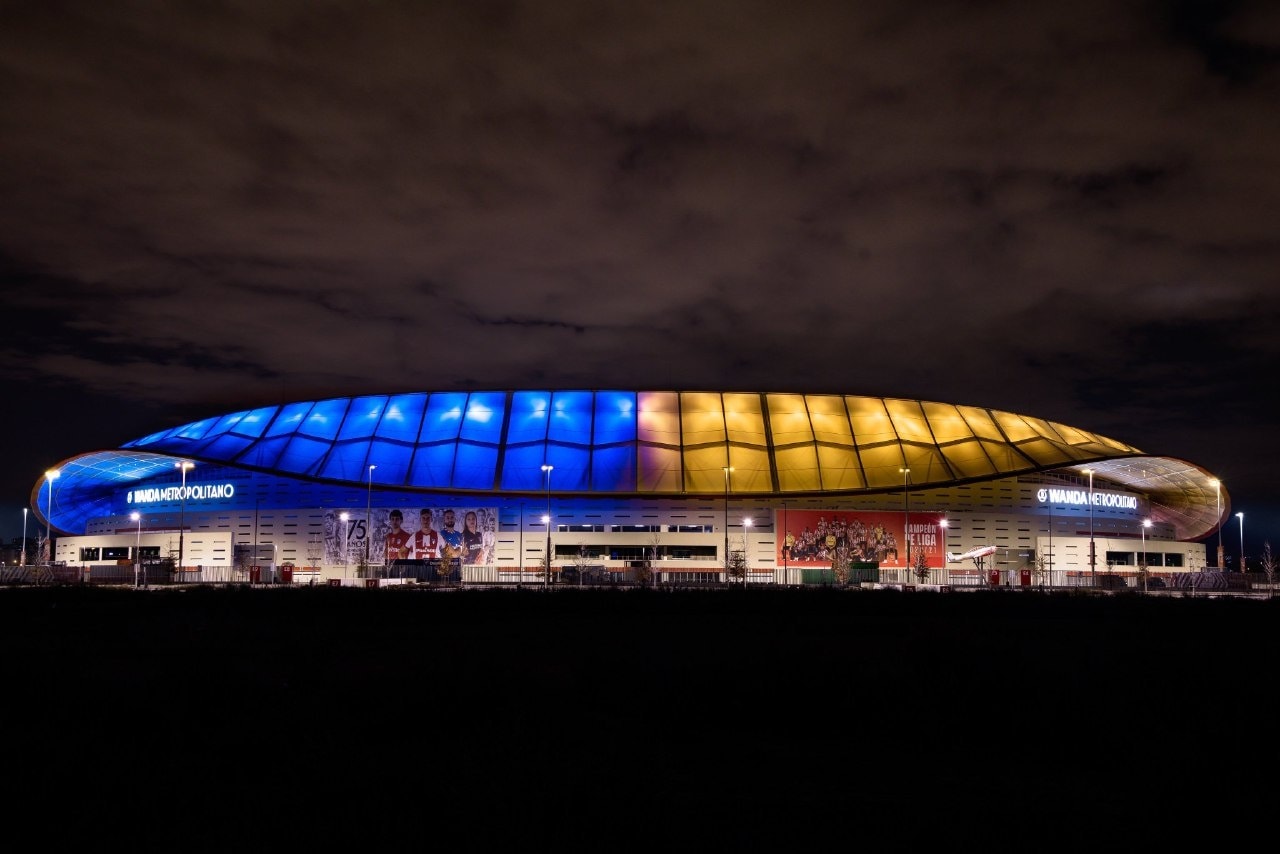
{"points": [[1207, 582]]}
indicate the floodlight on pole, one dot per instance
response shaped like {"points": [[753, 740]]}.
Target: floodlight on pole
{"points": [[728, 470], [185, 466], [943, 524], [1093, 570], [746, 524], [906, 511], [22, 559], [368, 523], [50, 476], [786, 546], [1217, 494], [137, 548], [1240, 516], [346, 520], [546, 562], [1146, 523], [1051, 538]]}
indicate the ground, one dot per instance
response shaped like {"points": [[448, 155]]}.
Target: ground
{"points": [[722, 719]]}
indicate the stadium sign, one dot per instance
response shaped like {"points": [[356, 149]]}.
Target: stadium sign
{"points": [[193, 492], [1080, 498]]}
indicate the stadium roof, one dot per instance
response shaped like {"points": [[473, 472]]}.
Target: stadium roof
{"points": [[649, 443]]}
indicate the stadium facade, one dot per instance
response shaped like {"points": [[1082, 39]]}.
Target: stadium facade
{"points": [[689, 485]]}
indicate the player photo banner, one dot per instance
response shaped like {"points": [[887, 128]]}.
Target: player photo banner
{"points": [[817, 537], [412, 532]]}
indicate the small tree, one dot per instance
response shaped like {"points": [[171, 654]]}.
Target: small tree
{"points": [[644, 572], [315, 553], [983, 576], [315, 549], [921, 567], [1040, 566], [736, 565], [580, 561], [242, 561], [545, 566], [841, 560], [448, 554], [1269, 567]]}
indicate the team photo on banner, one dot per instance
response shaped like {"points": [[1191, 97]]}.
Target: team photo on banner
{"points": [[818, 537], [413, 533]]}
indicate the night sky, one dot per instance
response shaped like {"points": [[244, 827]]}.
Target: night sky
{"points": [[1068, 210]]}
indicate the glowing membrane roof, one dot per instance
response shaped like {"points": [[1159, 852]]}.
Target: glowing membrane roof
{"points": [[653, 443], [646, 443]]}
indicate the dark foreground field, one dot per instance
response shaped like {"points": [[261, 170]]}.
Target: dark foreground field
{"points": [[377, 719]]}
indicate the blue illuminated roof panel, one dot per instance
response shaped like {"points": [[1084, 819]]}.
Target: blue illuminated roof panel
{"points": [[530, 412], [363, 417], [484, 416], [522, 468], [403, 418], [443, 419], [289, 419], [324, 419]]}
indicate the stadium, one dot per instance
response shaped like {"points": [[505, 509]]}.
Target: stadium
{"points": [[606, 486]]}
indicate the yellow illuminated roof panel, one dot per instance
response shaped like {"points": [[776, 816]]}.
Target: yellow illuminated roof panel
{"points": [[744, 420], [789, 420], [701, 418], [658, 418], [798, 469]]}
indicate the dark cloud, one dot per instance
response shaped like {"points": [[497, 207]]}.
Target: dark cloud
{"points": [[1062, 210]]}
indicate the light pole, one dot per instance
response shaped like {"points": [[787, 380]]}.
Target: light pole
{"points": [[906, 512], [943, 524], [1217, 494], [728, 470], [50, 476], [1240, 516], [346, 520], [746, 525], [546, 561], [1093, 572], [137, 548], [1051, 539], [185, 466], [1146, 523], [368, 523], [22, 559], [786, 547]]}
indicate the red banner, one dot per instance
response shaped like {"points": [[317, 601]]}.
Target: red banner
{"points": [[816, 537]]}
